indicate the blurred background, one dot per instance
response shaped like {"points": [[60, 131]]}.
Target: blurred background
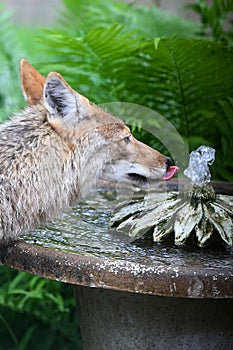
{"points": [[43, 12]]}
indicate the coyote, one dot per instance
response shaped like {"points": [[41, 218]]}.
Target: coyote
{"points": [[57, 148]]}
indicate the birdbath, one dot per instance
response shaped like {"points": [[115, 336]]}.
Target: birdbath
{"points": [[133, 295]]}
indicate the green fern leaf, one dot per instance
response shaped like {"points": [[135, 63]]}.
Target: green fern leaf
{"points": [[10, 95], [196, 76]]}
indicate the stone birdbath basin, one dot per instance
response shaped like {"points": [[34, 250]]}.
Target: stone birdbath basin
{"points": [[132, 295]]}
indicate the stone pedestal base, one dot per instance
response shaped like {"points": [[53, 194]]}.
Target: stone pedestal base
{"points": [[112, 320]]}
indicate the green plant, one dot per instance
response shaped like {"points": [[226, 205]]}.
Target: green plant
{"points": [[216, 19], [10, 95], [79, 17], [15, 43], [108, 58], [36, 313]]}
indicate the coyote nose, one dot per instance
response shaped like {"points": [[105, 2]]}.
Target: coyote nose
{"points": [[168, 162]]}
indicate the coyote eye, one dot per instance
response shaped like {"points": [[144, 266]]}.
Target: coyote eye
{"points": [[128, 139]]}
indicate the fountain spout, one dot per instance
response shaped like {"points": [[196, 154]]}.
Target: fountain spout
{"points": [[199, 161]]}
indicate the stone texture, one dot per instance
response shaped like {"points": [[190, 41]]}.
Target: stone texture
{"points": [[112, 320], [161, 279]]}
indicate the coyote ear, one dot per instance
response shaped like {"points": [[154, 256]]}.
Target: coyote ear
{"points": [[62, 102], [32, 83], [59, 99]]}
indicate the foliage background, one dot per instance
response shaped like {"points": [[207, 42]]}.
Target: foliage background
{"points": [[36, 313], [125, 53]]}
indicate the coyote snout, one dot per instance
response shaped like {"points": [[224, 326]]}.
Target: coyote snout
{"points": [[57, 149]]}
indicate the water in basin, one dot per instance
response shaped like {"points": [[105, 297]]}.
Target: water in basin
{"points": [[83, 230]]}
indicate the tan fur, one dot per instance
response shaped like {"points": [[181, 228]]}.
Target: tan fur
{"points": [[32, 83], [55, 150]]}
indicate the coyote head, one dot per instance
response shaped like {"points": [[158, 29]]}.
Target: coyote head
{"points": [[101, 144]]}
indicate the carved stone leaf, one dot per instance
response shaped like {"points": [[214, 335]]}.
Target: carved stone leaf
{"points": [[125, 211], [126, 225], [138, 208], [187, 218], [163, 212], [144, 223], [225, 202], [204, 230], [162, 229], [222, 222]]}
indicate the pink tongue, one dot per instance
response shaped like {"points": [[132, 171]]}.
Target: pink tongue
{"points": [[171, 171]]}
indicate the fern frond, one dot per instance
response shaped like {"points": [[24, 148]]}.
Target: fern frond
{"points": [[195, 75], [91, 63], [223, 167], [216, 19], [10, 95]]}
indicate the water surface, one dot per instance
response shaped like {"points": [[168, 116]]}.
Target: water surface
{"points": [[83, 230]]}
